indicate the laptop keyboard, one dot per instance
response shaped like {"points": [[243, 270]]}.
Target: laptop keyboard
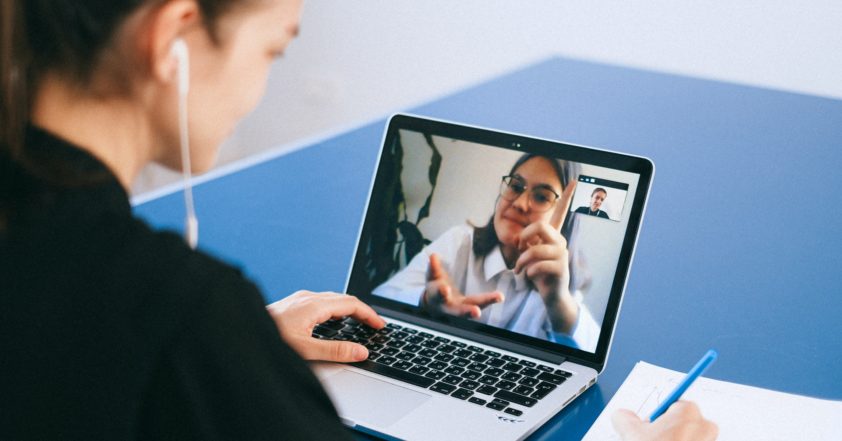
{"points": [[462, 371]]}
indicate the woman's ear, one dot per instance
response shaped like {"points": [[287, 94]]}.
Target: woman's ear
{"points": [[164, 25]]}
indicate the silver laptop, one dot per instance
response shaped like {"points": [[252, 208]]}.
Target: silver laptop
{"points": [[499, 262]]}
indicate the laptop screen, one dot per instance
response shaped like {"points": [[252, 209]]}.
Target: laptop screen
{"points": [[526, 239]]}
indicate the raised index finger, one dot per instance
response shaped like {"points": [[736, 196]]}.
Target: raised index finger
{"points": [[563, 205]]}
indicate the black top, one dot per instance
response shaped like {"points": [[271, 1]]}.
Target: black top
{"points": [[109, 330], [587, 210]]}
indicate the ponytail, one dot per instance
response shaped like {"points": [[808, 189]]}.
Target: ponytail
{"points": [[14, 67]]}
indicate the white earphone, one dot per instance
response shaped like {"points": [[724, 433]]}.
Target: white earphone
{"points": [[191, 224]]}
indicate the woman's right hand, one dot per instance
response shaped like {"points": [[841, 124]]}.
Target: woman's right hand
{"points": [[441, 295], [682, 421]]}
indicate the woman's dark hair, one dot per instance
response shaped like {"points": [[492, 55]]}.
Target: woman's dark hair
{"points": [[485, 237], [65, 37]]}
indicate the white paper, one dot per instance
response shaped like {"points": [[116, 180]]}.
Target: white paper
{"points": [[741, 412]]}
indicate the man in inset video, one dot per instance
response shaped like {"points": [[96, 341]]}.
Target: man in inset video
{"points": [[597, 198]]}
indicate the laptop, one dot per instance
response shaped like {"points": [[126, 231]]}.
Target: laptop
{"points": [[499, 262]]}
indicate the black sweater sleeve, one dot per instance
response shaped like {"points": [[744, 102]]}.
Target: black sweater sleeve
{"points": [[229, 375]]}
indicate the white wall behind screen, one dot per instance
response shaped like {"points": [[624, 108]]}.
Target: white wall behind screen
{"points": [[360, 60]]}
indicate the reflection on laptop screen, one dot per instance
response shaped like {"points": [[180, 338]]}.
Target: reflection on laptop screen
{"points": [[458, 218]]}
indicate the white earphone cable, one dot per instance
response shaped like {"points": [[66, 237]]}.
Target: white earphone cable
{"points": [[191, 223]]}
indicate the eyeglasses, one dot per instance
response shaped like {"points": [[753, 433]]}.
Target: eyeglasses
{"points": [[540, 198]]}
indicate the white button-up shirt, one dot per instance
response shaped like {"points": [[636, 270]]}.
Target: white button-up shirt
{"points": [[523, 310]]}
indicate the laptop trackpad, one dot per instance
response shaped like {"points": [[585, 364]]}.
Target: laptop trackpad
{"points": [[360, 397]]}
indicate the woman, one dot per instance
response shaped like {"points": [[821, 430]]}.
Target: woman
{"points": [[109, 330], [514, 272]]}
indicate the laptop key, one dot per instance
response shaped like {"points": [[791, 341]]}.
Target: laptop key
{"points": [[515, 398], [540, 393], [478, 357], [437, 365], [495, 406], [513, 367], [324, 331], [528, 363], [452, 379], [487, 379], [393, 326], [444, 357], [334, 325], [429, 353], [463, 353], [491, 353], [496, 372], [397, 374], [526, 381], [496, 362], [544, 368], [545, 385], [423, 361], [471, 375], [387, 360], [373, 355], [479, 367], [412, 348], [487, 390], [435, 375], [458, 344], [461, 394], [564, 374], [513, 411], [447, 348], [470, 384], [425, 334], [475, 348], [455, 370], [506, 385], [432, 344], [550, 378], [396, 343], [477, 400], [415, 339], [461, 362], [420, 370], [442, 340], [389, 351], [530, 372], [402, 365], [511, 376], [509, 358], [523, 390], [443, 388]]}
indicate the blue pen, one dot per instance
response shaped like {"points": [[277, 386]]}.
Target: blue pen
{"points": [[694, 373]]}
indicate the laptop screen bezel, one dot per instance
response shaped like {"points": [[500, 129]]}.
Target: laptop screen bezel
{"points": [[524, 144]]}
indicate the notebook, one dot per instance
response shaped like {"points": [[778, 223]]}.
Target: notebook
{"points": [[499, 261]]}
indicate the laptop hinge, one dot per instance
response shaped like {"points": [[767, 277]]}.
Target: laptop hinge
{"points": [[518, 348]]}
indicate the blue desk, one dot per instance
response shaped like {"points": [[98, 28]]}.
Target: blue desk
{"points": [[739, 248]]}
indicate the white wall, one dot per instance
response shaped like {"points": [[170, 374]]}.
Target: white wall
{"points": [[359, 60]]}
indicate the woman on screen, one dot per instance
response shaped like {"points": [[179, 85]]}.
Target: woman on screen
{"points": [[514, 272]]}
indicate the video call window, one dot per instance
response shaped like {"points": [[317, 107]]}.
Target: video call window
{"points": [[448, 197], [600, 198]]}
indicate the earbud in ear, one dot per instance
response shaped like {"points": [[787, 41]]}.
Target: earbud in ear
{"points": [[182, 55]]}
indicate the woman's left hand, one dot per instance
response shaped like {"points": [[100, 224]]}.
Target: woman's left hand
{"points": [[297, 315], [545, 259]]}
